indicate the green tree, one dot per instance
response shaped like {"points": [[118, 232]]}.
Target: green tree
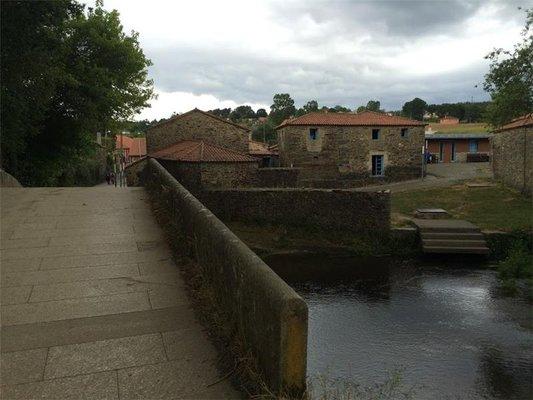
{"points": [[282, 108], [339, 108], [414, 109], [373, 105], [242, 112], [264, 132], [261, 113], [221, 112], [96, 76], [510, 79], [360, 109]]}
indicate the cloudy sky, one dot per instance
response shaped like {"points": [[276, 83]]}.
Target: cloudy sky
{"points": [[211, 54]]}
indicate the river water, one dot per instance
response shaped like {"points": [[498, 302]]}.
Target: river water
{"points": [[442, 328]]}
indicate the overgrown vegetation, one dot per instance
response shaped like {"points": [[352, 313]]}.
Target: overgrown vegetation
{"points": [[67, 73], [265, 239], [515, 271], [492, 208]]}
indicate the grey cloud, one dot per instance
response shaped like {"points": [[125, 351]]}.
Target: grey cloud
{"points": [[243, 76]]}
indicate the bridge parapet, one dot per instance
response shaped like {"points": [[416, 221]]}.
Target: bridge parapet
{"points": [[271, 317]]}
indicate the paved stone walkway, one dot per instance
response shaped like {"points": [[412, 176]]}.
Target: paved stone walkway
{"points": [[92, 305]]}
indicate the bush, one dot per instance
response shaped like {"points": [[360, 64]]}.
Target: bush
{"points": [[516, 268]]}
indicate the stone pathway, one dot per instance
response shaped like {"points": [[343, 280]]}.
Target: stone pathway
{"points": [[92, 305]]}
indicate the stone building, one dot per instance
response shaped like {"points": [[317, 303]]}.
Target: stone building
{"points": [[343, 149], [512, 154], [198, 125], [199, 165]]}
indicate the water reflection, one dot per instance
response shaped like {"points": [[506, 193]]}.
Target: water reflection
{"points": [[445, 327]]}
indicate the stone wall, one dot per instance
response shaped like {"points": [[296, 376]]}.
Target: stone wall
{"points": [[229, 175], [8, 180], [345, 152], [327, 209], [195, 176], [512, 158], [197, 125], [277, 177], [133, 172], [269, 315]]}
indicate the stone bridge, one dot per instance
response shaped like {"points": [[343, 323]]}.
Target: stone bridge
{"points": [[92, 304]]}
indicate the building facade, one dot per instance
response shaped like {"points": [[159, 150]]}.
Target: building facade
{"points": [[512, 154], [200, 165], [341, 149], [458, 147], [198, 125]]}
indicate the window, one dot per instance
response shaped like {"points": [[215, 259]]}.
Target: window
{"points": [[404, 133], [472, 146], [313, 133], [377, 165], [441, 152], [375, 134]]}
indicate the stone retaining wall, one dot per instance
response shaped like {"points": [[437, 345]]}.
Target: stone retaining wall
{"points": [[277, 177], [269, 314], [328, 209]]}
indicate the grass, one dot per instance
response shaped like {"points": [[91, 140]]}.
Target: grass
{"points": [[491, 208], [478, 127]]}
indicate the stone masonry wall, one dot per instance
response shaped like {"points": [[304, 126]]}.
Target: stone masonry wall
{"points": [[198, 126], [345, 152], [512, 158], [333, 210], [265, 313], [278, 177], [228, 175]]}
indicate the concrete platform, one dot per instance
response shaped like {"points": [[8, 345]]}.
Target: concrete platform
{"points": [[92, 304]]}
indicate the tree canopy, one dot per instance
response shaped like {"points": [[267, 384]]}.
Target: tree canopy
{"points": [[510, 79], [282, 108], [414, 109], [66, 74]]}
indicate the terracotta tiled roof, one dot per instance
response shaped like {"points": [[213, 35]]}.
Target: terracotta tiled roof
{"points": [[135, 146], [364, 118], [260, 149], [520, 122], [196, 110], [200, 151]]}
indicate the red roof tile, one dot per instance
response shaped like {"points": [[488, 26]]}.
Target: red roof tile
{"points": [[520, 122], [200, 151], [260, 149], [135, 146], [364, 118]]}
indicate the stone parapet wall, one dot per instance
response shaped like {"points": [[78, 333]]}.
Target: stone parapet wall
{"points": [[327, 209], [269, 315], [7, 180], [512, 158]]}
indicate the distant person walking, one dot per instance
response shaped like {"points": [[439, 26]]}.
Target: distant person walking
{"points": [[108, 177]]}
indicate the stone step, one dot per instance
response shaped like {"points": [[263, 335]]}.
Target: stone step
{"points": [[453, 243], [450, 230], [453, 235], [455, 250]]}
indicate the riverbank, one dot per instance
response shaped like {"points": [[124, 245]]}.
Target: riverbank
{"points": [[269, 239], [495, 207]]}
